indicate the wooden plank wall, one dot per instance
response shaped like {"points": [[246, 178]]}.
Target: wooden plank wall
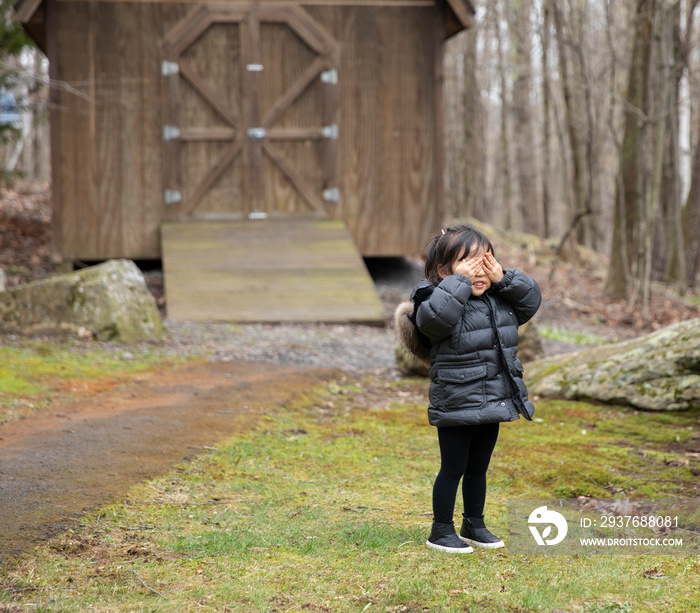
{"points": [[110, 198], [390, 123], [109, 128]]}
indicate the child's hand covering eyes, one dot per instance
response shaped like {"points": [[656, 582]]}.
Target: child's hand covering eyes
{"points": [[471, 268], [493, 270]]}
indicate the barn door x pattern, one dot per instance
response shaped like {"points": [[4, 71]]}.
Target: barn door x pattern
{"points": [[250, 108]]}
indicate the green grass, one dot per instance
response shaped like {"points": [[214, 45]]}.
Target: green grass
{"points": [[35, 373], [567, 336], [325, 507]]}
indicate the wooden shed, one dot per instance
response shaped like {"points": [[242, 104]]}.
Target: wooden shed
{"points": [[173, 118]]}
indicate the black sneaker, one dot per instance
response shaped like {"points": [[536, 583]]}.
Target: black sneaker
{"points": [[475, 533], [444, 538]]}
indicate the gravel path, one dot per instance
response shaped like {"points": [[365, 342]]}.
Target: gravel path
{"points": [[347, 347]]}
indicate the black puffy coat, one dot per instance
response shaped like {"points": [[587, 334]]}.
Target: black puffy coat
{"points": [[475, 375]]}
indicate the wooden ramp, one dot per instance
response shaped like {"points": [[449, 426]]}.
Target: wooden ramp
{"points": [[266, 271]]}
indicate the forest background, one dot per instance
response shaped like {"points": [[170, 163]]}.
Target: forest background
{"points": [[575, 120]]}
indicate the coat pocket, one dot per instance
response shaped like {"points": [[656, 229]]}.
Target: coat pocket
{"points": [[462, 387]]}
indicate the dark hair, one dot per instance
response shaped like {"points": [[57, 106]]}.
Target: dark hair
{"points": [[445, 247]]}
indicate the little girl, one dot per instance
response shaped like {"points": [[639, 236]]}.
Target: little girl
{"points": [[470, 309]]}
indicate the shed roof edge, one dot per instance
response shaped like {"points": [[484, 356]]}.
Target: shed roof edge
{"points": [[464, 11], [25, 9]]}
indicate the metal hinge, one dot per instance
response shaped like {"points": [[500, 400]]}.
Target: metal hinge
{"points": [[171, 132], [331, 195], [257, 133], [330, 131], [330, 77], [172, 196], [254, 67], [169, 68]]}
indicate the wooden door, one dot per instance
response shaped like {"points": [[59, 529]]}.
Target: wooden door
{"points": [[250, 110]]}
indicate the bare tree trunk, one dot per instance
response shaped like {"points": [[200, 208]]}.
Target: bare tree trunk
{"points": [[672, 253], [546, 131], [664, 83], [564, 172], [576, 146], [629, 193], [691, 219], [586, 235], [524, 134], [504, 138], [40, 148], [691, 212], [473, 131], [669, 250]]}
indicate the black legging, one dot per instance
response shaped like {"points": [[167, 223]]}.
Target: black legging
{"points": [[465, 451]]}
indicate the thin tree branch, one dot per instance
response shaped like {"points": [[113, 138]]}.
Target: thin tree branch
{"points": [[148, 587]]}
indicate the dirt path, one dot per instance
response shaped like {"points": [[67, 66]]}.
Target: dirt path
{"points": [[86, 453]]}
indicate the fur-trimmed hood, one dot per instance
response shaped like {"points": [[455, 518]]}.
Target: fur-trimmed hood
{"points": [[407, 331]]}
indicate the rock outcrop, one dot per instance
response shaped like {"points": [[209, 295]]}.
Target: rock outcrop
{"points": [[110, 301], [656, 372]]}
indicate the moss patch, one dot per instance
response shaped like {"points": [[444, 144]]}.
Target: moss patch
{"points": [[575, 338], [34, 374]]}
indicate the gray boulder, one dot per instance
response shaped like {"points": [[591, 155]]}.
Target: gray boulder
{"points": [[110, 301], [656, 372]]}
